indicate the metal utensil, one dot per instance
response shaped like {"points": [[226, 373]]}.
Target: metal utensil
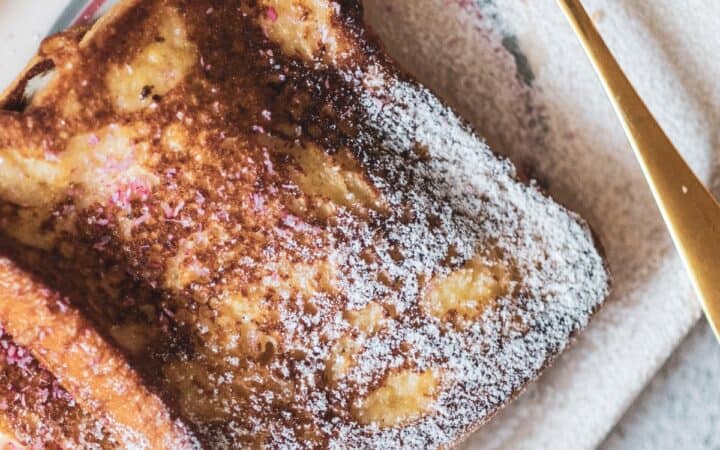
{"points": [[690, 212]]}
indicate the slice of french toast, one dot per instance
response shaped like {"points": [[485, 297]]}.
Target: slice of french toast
{"points": [[235, 224]]}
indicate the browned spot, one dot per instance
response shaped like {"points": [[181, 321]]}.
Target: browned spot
{"points": [[96, 375]]}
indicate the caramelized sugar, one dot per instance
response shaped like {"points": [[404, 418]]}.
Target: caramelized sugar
{"points": [[276, 227]]}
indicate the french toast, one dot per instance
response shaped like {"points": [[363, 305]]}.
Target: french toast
{"points": [[236, 224]]}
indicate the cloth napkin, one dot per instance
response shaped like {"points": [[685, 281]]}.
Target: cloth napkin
{"points": [[514, 69]]}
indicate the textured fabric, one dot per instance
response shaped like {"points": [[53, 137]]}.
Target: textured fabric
{"points": [[516, 72], [680, 408]]}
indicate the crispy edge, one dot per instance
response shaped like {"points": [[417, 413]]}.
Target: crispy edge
{"points": [[88, 367]]}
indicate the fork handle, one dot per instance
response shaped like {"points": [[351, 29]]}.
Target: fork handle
{"points": [[691, 213]]}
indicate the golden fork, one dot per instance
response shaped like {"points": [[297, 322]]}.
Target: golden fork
{"points": [[691, 213]]}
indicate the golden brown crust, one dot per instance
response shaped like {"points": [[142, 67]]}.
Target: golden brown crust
{"points": [[37, 412], [292, 243], [94, 373]]}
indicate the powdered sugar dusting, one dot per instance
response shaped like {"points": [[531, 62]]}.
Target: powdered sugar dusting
{"points": [[264, 241], [561, 278], [463, 197]]}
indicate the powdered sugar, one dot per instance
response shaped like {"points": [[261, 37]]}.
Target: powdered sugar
{"points": [[263, 294], [561, 278], [454, 198], [464, 197]]}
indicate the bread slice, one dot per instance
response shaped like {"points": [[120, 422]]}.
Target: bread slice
{"points": [[262, 234]]}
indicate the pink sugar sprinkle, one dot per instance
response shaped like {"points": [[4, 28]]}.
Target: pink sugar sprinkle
{"points": [[179, 208], [142, 219], [18, 356], [271, 14], [295, 223], [103, 243], [133, 189], [44, 395], [63, 304], [167, 210], [223, 215], [258, 202], [93, 140], [59, 393], [171, 213], [268, 162], [50, 156]]}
